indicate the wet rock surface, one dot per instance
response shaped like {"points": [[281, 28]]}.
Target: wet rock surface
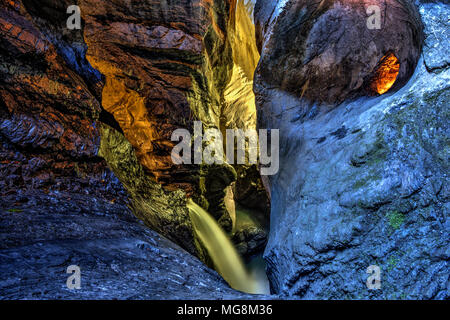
{"points": [[49, 109], [81, 107], [250, 240], [325, 49], [166, 66], [43, 234], [250, 232], [363, 183]]}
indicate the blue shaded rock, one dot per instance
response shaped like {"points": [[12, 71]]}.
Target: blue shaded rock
{"points": [[376, 195], [119, 258]]}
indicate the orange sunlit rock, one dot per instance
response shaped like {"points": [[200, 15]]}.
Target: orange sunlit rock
{"points": [[148, 73], [386, 74]]}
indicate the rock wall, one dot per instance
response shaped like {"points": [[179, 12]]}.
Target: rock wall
{"points": [[363, 177], [119, 258], [166, 65], [116, 90], [154, 58], [49, 107], [78, 105]]}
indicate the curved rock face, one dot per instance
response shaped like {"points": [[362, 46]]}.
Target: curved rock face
{"points": [[326, 49], [165, 66], [117, 89], [363, 183], [48, 109], [118, 256]]}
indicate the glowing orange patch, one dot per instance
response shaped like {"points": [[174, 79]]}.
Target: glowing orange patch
{"points": [[386, 74]]}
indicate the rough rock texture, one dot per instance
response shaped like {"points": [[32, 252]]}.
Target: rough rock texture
{"points": [[251, 231], [190, 62], [119, 258], [239, 110], [249, 190], [250, 240], [156, 67], [166, 66], [363, 182], [163, 211], [55, 134], [155, 61], [149, 53], [325, 49], [48, 111]]}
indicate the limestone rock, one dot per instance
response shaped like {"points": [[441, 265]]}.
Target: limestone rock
{"points": [[364, 182], [48, 133]]}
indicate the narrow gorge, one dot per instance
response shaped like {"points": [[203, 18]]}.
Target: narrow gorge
{"points": [[357, 113]]}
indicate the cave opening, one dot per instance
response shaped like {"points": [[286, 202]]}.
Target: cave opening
{"points": [[385, 74]]}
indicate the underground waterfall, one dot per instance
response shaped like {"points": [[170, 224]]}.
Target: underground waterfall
{"points": [[222, 252], [239, 111]]}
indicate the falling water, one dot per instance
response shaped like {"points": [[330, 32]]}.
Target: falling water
{"points": [[240, 96], [222, 252]]}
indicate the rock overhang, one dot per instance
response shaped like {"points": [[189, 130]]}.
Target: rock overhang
{"points": [[328, 51]]}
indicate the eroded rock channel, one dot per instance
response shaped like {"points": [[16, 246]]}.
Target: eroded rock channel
{"points": [[87, 175]]}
